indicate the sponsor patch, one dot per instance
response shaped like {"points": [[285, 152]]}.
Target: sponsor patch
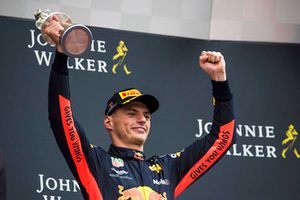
{"points": [[155, 168], [117, 162]]}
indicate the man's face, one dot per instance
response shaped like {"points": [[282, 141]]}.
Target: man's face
{"points": [[130, 125]]}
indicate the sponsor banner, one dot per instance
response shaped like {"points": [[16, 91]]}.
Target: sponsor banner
{"points": [[54, 188], [263, 164]]}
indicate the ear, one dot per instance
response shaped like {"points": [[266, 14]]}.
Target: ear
{"points": [[108, 122]]}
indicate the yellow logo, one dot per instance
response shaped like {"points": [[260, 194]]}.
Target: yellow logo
{"points": [[140, 193], [119, 57], [138, 155], [155, 168], [129, 93], [176, 155], [289, 142]]}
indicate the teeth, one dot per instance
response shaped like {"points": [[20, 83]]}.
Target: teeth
{"points": [[140, 129]]}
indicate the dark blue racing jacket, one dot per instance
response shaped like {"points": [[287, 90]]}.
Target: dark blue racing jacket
{"points": [[125, 174]]}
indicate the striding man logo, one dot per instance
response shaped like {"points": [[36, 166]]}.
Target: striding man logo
{"points": [[290, 141], [119, 57]]}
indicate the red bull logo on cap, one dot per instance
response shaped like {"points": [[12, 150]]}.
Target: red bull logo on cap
{"points": [[140, 193]]}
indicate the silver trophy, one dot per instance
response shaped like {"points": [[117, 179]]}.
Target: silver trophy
{"points": [[75, 39]]}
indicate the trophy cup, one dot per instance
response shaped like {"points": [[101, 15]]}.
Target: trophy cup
{"points": [[75, 39]]}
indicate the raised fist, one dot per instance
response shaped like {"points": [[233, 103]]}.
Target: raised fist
{"points": [[213, 63]]}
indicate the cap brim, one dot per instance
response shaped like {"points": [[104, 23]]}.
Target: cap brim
{"points": [[150, 101]]}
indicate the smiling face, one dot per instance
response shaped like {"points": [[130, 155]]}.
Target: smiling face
{"points": [[129, 125]]}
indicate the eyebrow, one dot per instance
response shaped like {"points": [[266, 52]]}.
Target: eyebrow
{"points": [[136, 110]]}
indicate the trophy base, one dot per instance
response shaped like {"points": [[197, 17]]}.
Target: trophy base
{"points": [[76, 40]]}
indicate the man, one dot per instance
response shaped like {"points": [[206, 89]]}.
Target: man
{"points": [[122, 172]]}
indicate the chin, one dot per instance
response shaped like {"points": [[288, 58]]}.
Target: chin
{"points": [[139, 141]]}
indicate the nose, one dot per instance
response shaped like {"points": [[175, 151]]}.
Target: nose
{"points": [[141, 118]]}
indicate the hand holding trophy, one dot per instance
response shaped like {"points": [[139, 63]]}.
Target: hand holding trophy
{"points": [[75, 39]]}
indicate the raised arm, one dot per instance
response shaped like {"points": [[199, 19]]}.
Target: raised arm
{"points": [[69, 136], [200, 156]]}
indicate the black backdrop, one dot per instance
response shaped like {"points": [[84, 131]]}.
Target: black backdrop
{"points": [[264, 78]]}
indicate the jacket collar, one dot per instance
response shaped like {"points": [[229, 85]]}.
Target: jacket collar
{"points": [[126, 153]]}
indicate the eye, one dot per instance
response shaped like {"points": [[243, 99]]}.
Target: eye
{"points": [[147, 116], [131, 113]]}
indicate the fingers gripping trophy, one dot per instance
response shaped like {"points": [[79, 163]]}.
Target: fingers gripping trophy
{"points": [[75, 39]]}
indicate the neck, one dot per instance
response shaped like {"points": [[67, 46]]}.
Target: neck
{"points": [[129, 146]]}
